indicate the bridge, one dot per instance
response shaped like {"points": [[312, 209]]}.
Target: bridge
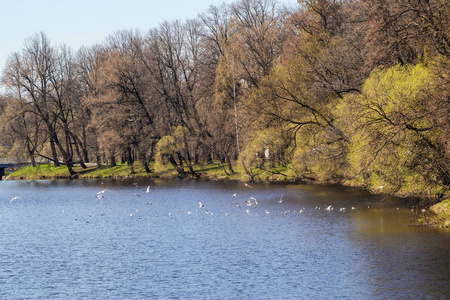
{"points": [[3, 167]]}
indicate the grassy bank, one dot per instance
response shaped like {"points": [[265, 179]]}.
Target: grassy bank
{"points": [[212, 171], [441, 214]]}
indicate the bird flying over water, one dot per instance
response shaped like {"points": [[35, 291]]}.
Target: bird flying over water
{"points": [[14, 198], [251, 202], [247, 185], [148, 190], [237, 204], [6, 178], [100, 194], [200, 204]]}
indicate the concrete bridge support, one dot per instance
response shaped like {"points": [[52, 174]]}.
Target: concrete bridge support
{"points": [[2, 169]]}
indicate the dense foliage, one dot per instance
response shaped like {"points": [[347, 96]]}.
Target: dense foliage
{"points": [[346, 91]]}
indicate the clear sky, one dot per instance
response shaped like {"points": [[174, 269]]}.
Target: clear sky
{"points": [[86, 22]]}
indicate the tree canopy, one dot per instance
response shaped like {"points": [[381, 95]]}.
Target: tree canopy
{"points": [[354, 91]]}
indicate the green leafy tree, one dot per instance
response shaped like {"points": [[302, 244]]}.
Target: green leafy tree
{"points": [[396, 144]]}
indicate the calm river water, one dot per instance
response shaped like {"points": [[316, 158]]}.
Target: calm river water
{"points": [[58, 241]]}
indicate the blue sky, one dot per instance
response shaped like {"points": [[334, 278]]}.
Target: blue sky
{"points": [[86, 22]]}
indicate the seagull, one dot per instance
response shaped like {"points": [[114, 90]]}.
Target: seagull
{"points": [[148, 190], [329, 208], [247, 185], [6, 178], [136, 195], [200, 204], [267, 211], [342, 209], [102, 192], [250, 203], [281, 199], [238, 205], [14, 198], [234, 195]]}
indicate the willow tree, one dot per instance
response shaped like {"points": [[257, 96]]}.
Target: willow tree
{"points": [[397, 144], [321, 63]]}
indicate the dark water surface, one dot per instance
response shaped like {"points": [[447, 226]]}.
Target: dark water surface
{"points": [[59, 242]]}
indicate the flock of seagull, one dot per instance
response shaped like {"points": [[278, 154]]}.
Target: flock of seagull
{"points": [[249, 204]]}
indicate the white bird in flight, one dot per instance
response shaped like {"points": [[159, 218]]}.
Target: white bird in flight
{"points": [[14, 198], [247, 185], [102, 192], [6, 178], [148, 190]]}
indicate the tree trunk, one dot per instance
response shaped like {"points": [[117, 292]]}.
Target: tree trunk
{"points": [[230, 167], [99, 161], [130, 159], [54, 154], [84, 146], [31, 155], [77, 149], [112, 159]]}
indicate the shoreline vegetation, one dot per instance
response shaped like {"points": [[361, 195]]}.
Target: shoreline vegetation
{"points": [[435, 215]]}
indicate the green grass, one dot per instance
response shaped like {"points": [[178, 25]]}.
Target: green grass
{"points": [[48, 171], [212, 171]]}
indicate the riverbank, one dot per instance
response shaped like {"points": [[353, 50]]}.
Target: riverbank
{"points": [[212, 171], [437, 214]]}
